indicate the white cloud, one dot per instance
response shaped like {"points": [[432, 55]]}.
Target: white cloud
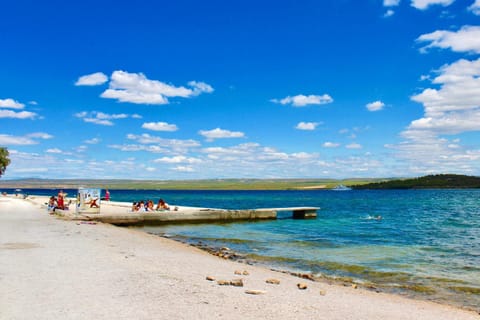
{"points": [[100, 118], [137, 88], [391, 3], [53, 150], [159, 126], [93, 79], [6, 140], [177, 159], [329, 144], [353, 146], [424, 4], [171, 143], [10, 103], [451, 109], [467, 39], [218, 133], [28, 139], [40, 135], [183, 169], [307, 125], [17, 115], [92, 141], [302, 100], [375, 106], [475, 7], [389, 13], [455, 106], [200, 87], [153, 144]]}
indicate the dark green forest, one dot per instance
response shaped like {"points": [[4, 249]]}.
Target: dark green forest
{"points": [[439, 181]]}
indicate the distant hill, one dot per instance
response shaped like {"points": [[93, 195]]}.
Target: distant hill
{"points": [[439, 181]]}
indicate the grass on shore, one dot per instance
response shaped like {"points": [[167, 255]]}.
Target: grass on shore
{"points": [[213, 184]]}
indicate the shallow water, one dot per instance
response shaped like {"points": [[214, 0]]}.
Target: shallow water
{"points": [[426, 244]]}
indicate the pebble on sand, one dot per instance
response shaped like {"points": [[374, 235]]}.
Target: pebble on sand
{"points": [[272, 281], [255, 291], [237, 283], [302, 286]]}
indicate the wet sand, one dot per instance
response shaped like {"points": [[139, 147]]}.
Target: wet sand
{"points": [[51, 268]]}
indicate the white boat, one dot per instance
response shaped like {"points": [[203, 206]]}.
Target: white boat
{"points": [[341, 187]]}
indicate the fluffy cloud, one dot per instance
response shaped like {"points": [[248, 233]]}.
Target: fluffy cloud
{"points": [[153, 144], [389, 13], [329, 144], [159, 126], [17, 115], [455, 106], [307, 125], [475, 7], [183, 169], [302, 100], [177, 159], [92, 141], [375, 106], [137, 88], [54, 150], [353, 146], [171, 143], [391, 3], [28, 139], [218, 133], [451, 109], [467, 39], [7, 140], [100, 118], [10, 103], [200, 87], [93, 79], [40, 135], [424, 4]]}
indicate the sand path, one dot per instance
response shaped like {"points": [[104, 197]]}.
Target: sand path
{"points": [[56, 269]]}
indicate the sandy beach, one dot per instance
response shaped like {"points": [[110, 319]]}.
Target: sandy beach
{"points": [[52, 268]]}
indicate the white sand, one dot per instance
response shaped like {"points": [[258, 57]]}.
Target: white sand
{"points": [[56, 269]]}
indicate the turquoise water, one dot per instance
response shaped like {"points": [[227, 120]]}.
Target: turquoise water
{"points": [[427, 243]]}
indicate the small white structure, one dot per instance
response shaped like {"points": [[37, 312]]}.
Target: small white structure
{"points": [[88, 200]]}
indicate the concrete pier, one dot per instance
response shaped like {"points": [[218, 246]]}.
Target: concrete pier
{"points": [[120, 213]]}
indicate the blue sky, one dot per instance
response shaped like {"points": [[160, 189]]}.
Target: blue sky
{"points": [[240, 89]]}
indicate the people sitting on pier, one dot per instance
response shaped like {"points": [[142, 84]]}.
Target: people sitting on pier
{"points": [[52, 205], [60, 198], [150, 206], [134, 206], [141, 206], [162, 205]]}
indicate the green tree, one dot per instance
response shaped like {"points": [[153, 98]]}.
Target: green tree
{"points": [[4, 160]]}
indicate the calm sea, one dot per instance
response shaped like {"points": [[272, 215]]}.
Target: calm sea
{"points": [[427, 243]]}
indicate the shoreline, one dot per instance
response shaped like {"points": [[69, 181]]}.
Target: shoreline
{"points": [[53, 266]]}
